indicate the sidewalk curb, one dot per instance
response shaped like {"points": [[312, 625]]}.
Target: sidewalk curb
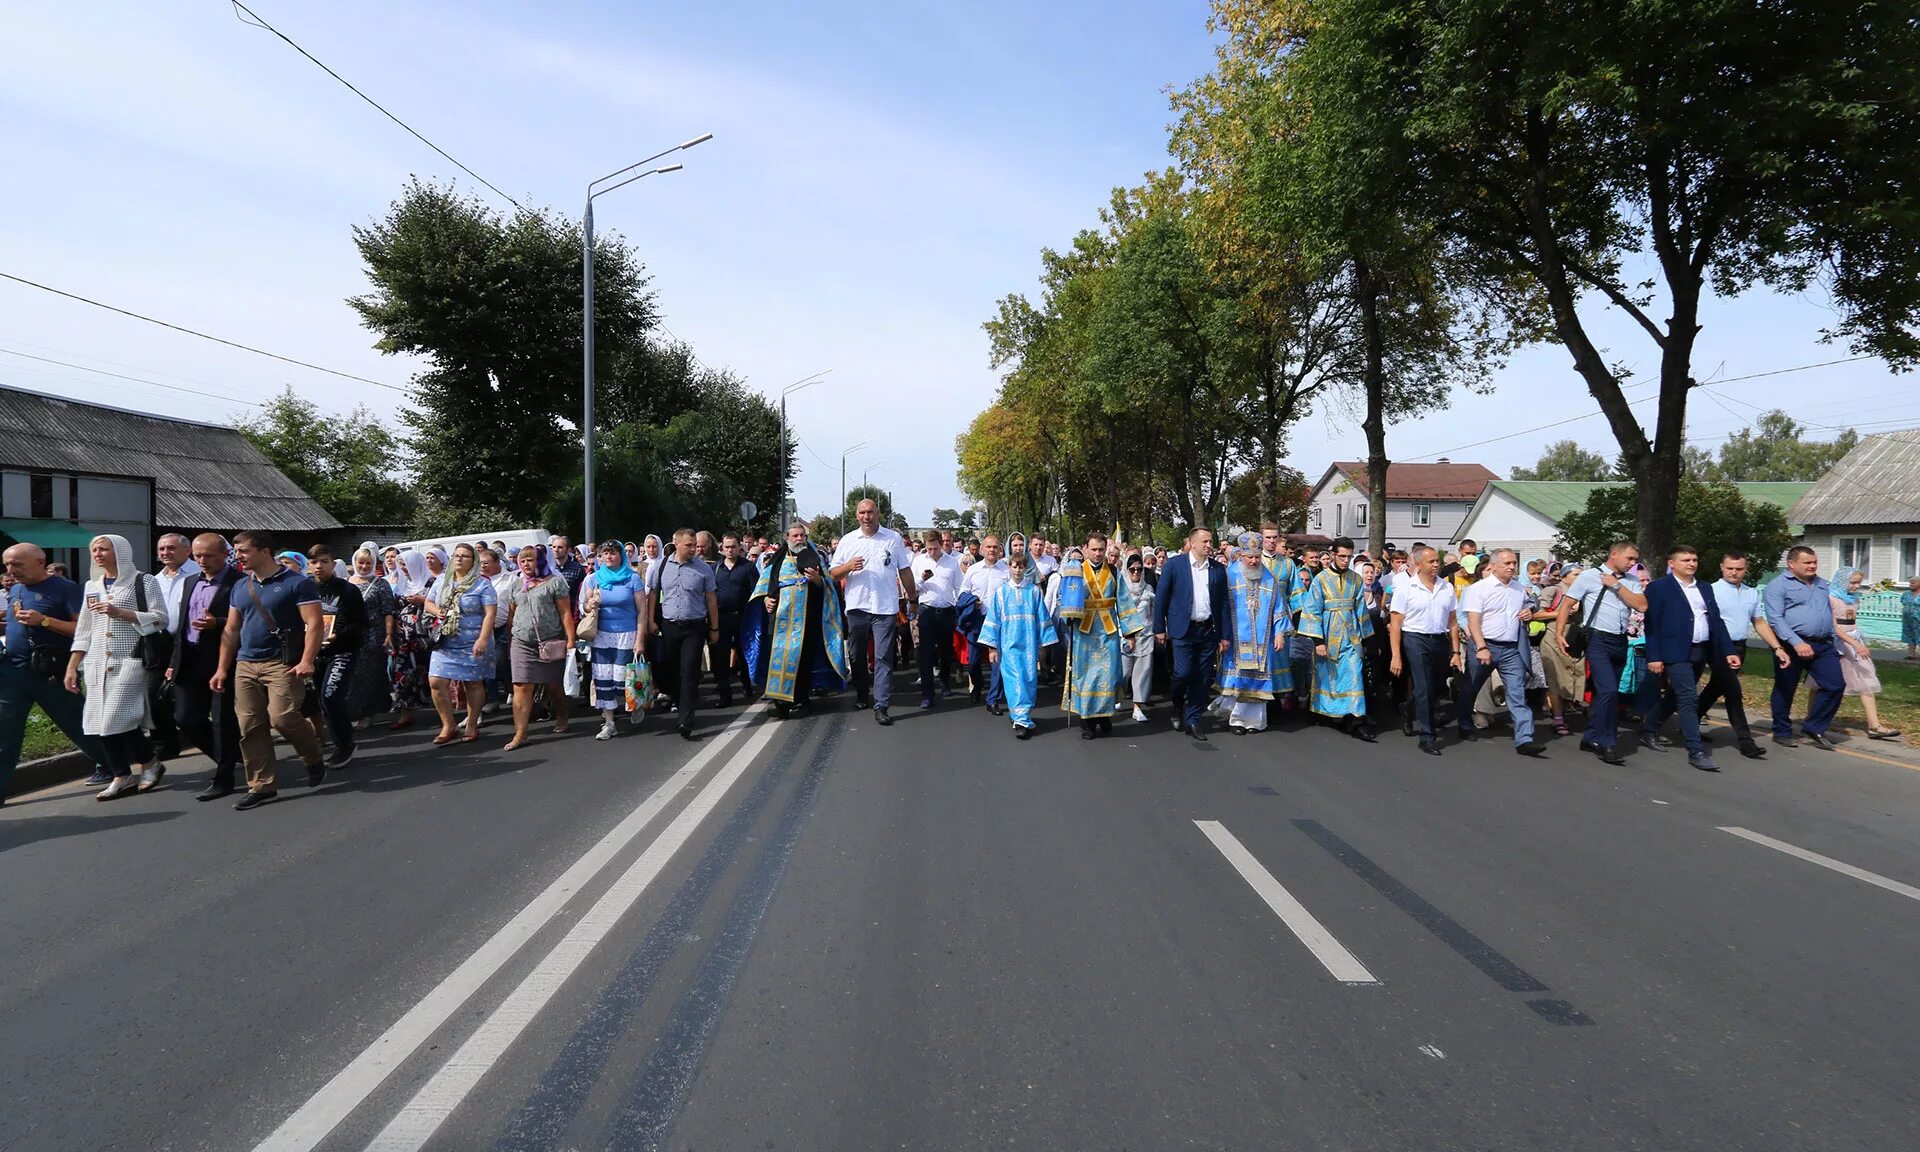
{"points": [[48, 771]]}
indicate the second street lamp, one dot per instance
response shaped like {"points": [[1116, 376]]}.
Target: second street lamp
{"points": [[796, 386], [586, 261]]}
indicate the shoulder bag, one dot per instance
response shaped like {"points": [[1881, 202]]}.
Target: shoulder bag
{"points": [[589, 625], [1578, 632], [293, 642], [549, 651], [154, 650]]}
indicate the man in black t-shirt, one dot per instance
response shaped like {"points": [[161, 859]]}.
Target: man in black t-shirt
{"points": [[345, 613]]}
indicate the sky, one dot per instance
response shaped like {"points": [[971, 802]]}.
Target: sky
{"points": [[880, 175]]}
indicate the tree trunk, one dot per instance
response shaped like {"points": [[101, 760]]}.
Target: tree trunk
{"points": [[1374, 377]]}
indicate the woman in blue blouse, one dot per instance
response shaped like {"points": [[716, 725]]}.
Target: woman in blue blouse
{"points": [[619, 595], [460, 619], [1910, 618]]}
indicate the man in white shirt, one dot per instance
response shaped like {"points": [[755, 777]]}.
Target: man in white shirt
{"points": [[175, 566], [937, 575], [1424, 639], [984, 577], [1043, 562], [1496, 609], [873, 562], [1745, 615]]}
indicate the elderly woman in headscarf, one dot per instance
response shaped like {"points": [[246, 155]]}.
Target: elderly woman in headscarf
{"points": [[408, 662], [372, 687], [461, 616], [1856, 659], [618, 596], [126, 613]]}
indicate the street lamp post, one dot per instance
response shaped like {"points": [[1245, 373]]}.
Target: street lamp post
{"points": [[586, 247], [844, 529], [796, 386]]}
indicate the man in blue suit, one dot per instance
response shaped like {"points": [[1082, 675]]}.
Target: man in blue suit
{"points": [[1685, 637], [1194, 615]]}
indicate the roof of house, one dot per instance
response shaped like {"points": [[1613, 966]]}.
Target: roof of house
{"points": [[1446, 481], [1552, 500], [205, 476], [1876, 483]]}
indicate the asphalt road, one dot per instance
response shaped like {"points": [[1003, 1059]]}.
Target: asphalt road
{"points": [[828, 935]]}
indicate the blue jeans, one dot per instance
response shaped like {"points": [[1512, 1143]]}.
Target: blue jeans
{"points": [[1828, 687], [1511, 657], [1681, 694], [1606, 657], [980, 670], [1425, 657], [20, 690]]}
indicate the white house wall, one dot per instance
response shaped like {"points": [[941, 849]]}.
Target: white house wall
{"points": [[1505, 522]]}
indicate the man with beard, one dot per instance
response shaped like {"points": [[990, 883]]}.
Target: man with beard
{"points": [[803, 625], [1334, 617], [1092, 681], [1254, 666]]}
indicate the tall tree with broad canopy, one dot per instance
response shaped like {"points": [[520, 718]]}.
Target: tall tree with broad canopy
{"points": [[1566, 460], [1643, 154], [352, 465]]}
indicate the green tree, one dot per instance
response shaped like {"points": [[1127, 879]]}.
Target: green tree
{"points": [[352, 465], [824, 528], [1626, 152], [1773, 450], [945, 519], [966, 522], [872, 492], [1566, 460], [492, 304], [1284, 502], [1713, 518]]}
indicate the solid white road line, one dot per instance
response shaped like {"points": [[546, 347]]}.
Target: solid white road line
{"points": [[421, 1118], [354, 1083], [1845, 869], [1345, 967]]}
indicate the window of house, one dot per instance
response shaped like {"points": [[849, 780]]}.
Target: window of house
{"points": [[1313, 516], [1339, 515], [1909, 557], [1853, 552], [1423, 515], [1360, 516], [40, 497]]}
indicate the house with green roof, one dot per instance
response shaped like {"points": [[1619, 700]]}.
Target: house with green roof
{"points": [[1525, 515]]}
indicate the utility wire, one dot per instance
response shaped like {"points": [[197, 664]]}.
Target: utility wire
{"points": [[133, 379], [201, 335], [257, 22]]}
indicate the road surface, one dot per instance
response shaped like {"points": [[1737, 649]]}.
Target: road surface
{"points": [[824, 934]]}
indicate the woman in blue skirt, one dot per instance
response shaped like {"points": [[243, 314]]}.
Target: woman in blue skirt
{"points": [[460, 619]]}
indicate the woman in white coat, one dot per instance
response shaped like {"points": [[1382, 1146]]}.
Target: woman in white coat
{"points": [[117, 684]]}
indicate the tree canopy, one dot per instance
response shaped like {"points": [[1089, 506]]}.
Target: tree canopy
{"points": [[1712, 517], [1566, 460], [352, 465]]}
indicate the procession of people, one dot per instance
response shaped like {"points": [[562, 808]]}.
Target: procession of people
{"points": [[242, 641]]}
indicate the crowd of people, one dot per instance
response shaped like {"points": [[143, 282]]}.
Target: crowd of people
{"points": [[227, 643]]}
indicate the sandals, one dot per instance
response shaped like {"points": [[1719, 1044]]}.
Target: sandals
{"points": [[514, 744], [443, 739], [1882, 733], [1560, 725]]}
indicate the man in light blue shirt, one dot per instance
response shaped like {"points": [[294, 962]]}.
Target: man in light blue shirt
{"points": [[1604, 592], [1745, 614], [1801, 614]]}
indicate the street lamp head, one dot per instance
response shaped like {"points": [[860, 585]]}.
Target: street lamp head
{"points": [[668, 168], [696, 140]]}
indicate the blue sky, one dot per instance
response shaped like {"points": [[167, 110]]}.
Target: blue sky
{"points": [[879, 176]]}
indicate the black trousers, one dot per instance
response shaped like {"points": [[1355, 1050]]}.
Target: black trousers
{"points": [[936, 648], [166, 736], [680, 644], [205, 717], [1426, 657], [729, 663], [1723, 683], [1194, 657]]}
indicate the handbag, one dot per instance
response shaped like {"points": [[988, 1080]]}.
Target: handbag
{"points": [[1578, 634], [154, 650], [589, 625]]}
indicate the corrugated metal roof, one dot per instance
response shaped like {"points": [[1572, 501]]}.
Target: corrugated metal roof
{"points": [[1554, 499], [1876, 483], [205, 477], [1422, 481]]}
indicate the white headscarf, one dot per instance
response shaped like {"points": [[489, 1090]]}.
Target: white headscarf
{"points": [[411, 579], [123, 559]]}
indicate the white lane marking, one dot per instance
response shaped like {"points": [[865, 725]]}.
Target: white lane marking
{"points": [[367, 1071], [1345, 967], [1845, 869], [1661, 802], [421, 1118], [1433, 1052]]}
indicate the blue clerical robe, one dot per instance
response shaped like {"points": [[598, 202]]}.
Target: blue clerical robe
{"points": [[785, 640], [1334, 613], [1092, 686], [1251, 669], [1017, 628]]}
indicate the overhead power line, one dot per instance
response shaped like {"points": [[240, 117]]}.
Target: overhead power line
{"points": [[256, 21], [201, 335], [131, 379]]}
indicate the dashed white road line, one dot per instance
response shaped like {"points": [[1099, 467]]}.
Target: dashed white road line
{"points": [[1344, 965], [1840, 866], [309, 1125]]}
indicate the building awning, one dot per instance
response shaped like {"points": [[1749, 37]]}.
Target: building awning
{"points": [[48, 533]]}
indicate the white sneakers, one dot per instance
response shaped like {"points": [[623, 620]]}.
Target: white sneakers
{"points": [[121, 786], [1139, 714], [606, 730]]}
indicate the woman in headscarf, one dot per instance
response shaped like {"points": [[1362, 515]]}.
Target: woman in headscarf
{"points": [[293, 561], [1910, 618], [409, 655], [461, 612], [541, 639], [1566, 679], [1136, 652], [109, 629], [1856, 659], [371, 690], [617, 594]]}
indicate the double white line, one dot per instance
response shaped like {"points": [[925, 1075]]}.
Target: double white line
{"points": [[430, 1107]]}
